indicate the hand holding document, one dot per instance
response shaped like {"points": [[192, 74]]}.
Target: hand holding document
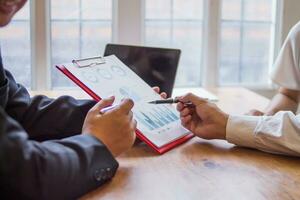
{"points": [[158, 125]]}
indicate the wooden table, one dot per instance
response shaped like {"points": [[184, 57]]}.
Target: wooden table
{"points": [[201, 169]]}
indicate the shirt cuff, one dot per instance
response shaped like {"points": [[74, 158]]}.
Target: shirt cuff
{"points": [[240, 130]]}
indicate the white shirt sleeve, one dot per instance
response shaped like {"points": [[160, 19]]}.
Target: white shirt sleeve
{"points": [[286, 72], [276, 134]]}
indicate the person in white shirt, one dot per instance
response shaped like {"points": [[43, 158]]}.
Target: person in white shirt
{"points": [[276, 130]]}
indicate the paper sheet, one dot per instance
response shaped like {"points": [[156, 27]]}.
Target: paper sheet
{"points": [[159, 123]]}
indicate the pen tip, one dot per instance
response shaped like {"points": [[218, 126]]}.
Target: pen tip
{"points": [[152, 102]]}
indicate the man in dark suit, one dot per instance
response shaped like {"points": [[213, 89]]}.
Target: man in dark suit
{"points": [[33, 168]]}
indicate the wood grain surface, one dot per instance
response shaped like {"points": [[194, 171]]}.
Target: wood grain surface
{"points": [[201, 169]]}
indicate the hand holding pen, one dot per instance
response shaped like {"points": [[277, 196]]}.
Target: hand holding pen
{"points": [[174, 100], [204, 119]]}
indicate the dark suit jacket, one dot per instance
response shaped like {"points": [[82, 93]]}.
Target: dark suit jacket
{"points": [[35, 163]]}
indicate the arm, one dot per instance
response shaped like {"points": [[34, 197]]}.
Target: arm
{"points": [[64, 169], [284, 100], [276, 134], [44, 118]]}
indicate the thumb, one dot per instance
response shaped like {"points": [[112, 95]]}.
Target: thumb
{"points": [[102, 104], [190, 97]]}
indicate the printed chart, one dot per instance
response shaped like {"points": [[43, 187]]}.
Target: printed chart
{"points": [[160, 123]]}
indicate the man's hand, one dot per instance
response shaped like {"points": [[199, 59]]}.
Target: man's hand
{"points": [[115, 128], [204, 119]]}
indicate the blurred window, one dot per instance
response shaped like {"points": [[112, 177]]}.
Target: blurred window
{"points": [[15, 48]]}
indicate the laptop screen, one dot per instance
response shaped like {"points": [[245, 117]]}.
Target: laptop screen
{"points": [[156, 66]]}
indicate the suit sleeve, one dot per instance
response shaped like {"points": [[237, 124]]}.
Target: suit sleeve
{"points": [[64, 169], [44, 118]]}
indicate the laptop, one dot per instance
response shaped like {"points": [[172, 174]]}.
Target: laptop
{"points": [[156, 66]]}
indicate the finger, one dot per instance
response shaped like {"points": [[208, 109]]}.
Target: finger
{"points": [[102, 104], [132, 127], [163, 95], [156, 89], [255, 113], [185, 112], [133, 132], [130, 116], [186, 119], [180, 106], [133, 124], [190, 97], [258, 113], [125, 106], [187, 124]]}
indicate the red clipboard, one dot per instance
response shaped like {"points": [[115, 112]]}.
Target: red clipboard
{"points": [[159, 150]]}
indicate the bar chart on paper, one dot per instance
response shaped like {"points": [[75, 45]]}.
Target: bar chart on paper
{"points": [[160, 124], [157, 117]]}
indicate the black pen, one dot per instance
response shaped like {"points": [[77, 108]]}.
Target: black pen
{"points": [[170, 101], [175, 100]]}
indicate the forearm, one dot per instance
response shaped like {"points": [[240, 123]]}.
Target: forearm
{"points": [[63, 169], [44, 118], [285, 100], [281, 102], [55, 119], [276, 134], [56, 170]]}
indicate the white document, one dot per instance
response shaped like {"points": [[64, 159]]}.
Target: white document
{"points": [[159, 123]]}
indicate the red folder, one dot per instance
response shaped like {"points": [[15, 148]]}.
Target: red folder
{"points": [[160, 150]]}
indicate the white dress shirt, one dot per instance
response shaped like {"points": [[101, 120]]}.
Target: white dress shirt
{"points": [[279, 133]]}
